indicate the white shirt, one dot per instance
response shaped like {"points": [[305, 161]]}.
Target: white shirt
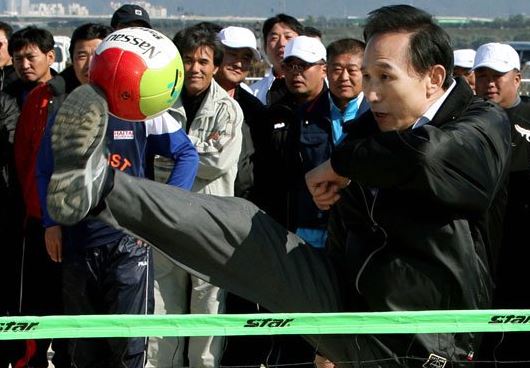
{"points": [[433, 109], [261, 87]]}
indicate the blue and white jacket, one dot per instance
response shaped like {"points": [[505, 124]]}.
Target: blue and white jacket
{"points": [[130, 145]]}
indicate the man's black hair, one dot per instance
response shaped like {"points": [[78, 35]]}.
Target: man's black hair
{"points": [[190, 39], [209, 26], [87, 32], [312, 32], [289, 21], [429, 43], [345, 46], [8, 30], [31, 35]]}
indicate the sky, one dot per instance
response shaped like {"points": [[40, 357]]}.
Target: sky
{"points": [[339, 8], [317, 8]]}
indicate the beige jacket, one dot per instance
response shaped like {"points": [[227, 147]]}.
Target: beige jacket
{"points": [[216, 133]]}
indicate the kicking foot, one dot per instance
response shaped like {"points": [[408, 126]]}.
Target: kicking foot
{"points": [[81, 166]]}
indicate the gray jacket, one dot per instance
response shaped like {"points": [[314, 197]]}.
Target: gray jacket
{"points": [[216, 133]]}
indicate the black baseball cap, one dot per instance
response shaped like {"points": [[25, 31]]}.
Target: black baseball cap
{"points": [[129, 13]]}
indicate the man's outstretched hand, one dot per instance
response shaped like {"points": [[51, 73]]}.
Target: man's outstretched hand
{"points": [[324, 185]]}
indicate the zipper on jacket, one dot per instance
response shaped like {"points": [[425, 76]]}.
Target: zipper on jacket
{"points": [[375, 227]]}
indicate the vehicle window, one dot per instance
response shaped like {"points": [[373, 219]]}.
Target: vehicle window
{"points": [[525, 56], [58, 55]]}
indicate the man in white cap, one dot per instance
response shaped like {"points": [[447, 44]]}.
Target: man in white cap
{"points": [[498, 77], [497, 73], [304, 66], [299, 138], [240, 51], [464, 59]]}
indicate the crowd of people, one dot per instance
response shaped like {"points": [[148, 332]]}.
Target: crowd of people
{"points": [[382, 174]]}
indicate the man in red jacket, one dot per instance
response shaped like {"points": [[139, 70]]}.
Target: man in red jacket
{"points": [[33, 54]]}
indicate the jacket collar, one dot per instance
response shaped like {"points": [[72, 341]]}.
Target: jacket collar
{"points": [[207, 109], [57, 85], [318, 106], [455, 104]]}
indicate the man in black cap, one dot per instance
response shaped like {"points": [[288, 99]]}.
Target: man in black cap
{"points": [[130, 15]]}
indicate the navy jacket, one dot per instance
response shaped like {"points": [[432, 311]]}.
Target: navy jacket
{"points": [[300, 139]]}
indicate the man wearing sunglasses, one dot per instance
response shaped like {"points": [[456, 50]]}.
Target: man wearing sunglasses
{"points": [[298, 137], [301, 138]]}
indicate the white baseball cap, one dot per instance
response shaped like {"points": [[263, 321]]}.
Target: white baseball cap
{"points": [[497, 56], [309, 49], [238, 38], [464, 58]]}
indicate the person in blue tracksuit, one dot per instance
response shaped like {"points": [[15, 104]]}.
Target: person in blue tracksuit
{"points": [[106, 271]]}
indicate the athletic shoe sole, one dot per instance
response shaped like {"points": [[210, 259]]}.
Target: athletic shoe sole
{"points": [[78, 143]]}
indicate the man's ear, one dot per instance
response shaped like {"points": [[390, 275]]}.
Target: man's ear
{"points": [[50, 55], [517, 78], [435, 80]]}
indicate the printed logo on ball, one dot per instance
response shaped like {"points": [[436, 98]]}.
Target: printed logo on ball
{"points": [[147, 48], [155, 48]]}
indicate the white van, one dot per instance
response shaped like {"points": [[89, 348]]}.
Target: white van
{"points": [[62, 55]]}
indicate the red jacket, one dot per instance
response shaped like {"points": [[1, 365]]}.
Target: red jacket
{"points": [[28, 135]]}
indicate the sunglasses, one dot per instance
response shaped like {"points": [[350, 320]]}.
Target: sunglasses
{"points": [[298, 67]]}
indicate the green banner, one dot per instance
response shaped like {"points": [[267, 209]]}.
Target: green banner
{"points": [[12, 328]]}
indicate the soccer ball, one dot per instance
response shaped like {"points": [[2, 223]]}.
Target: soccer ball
{"points": [[140, 70]]}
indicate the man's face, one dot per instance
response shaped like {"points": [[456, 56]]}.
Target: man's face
{"points": [[83, 52], [234, 67], [199, 70], [33, 65], [344, 77], [468, 75], [304, 80], [5, 59], [498, 87], [275, 43], [397, 95]]}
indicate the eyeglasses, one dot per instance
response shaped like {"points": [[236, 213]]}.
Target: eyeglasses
{"points": [[298, 67]]}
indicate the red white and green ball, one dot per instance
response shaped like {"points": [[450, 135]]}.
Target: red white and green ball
{"points": [[141, 72]]}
